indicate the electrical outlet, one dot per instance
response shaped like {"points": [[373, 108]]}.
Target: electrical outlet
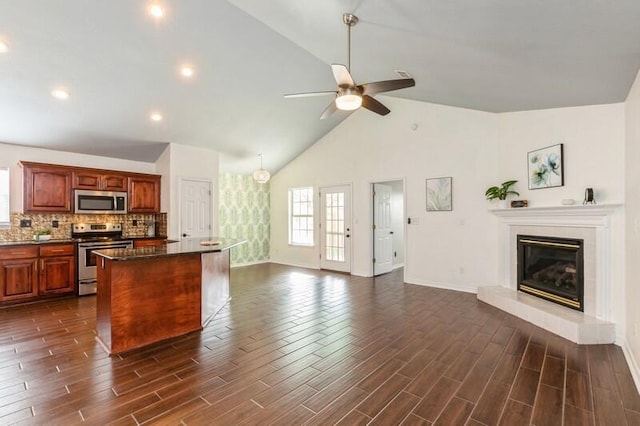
{"points": [[25, 223], [54, 224]]}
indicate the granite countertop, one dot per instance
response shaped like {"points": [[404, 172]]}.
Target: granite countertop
{"points": [[175, 248], [34, 242]]}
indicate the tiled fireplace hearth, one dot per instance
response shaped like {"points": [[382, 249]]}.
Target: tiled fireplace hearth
{"points": [[593, 225]]}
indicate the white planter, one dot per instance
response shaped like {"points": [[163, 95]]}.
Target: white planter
{"points": [[499, 204]]}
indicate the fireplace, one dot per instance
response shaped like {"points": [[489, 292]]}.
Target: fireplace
{"points": [[552, 268]]}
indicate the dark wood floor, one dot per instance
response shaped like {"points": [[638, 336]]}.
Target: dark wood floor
{"points": [[299, 346]]}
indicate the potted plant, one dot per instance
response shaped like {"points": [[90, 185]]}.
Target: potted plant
{"points": [[501, 192], [42, 235]]}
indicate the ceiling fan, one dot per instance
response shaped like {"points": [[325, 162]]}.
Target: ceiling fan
{"points": [[350, 96]]}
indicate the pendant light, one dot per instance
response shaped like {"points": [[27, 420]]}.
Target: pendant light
{"points": [[261, 175]]}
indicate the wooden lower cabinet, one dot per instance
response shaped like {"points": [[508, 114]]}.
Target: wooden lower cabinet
{"points": [[57, 275], [18, 279], [30, 272]]}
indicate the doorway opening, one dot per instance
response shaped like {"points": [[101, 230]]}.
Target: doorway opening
{"points": [[388, 226]]}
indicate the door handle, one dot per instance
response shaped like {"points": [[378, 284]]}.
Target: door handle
{"points": [[186, 235], [391, 233], [347, 236]]}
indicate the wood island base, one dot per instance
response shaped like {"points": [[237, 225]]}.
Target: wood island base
{"points": [[148, 299]]}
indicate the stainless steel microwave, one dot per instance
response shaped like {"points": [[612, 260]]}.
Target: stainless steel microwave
{"points": [[100, 202]]}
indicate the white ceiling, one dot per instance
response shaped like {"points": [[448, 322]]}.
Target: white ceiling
{"points": [[119, 65]]}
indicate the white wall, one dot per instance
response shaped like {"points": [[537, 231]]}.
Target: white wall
{"points": [[632, 214], [593, 138], [368, 148], [11, 154], [183, 161]]}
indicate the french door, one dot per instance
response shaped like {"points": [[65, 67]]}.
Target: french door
{"points": [[335, 228]]}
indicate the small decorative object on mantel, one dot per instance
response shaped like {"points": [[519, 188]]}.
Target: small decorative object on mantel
{"points": [[546, 167], [501, 192], [439, 194], [588, 196], [519, 203]]}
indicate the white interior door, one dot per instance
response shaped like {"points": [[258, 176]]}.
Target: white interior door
{"points": [[195, 208], [335, 228], [382, 229]]}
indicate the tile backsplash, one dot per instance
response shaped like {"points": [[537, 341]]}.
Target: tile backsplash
{"points": [[40, 221]]}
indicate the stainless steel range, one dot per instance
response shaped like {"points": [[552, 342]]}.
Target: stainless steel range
{"points": [[92, 237]]}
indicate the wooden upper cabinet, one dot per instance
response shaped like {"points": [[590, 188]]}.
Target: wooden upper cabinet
{"points": [[98, 181], [144, 194], [46, 188]]}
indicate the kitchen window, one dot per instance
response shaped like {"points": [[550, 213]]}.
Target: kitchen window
{"points": [[301, 216], [4, 198]]}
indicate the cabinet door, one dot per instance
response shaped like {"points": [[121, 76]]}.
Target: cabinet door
{"points": [[47, 189], [18, 279], [144, 194], [86, 180], [113, 182], [57, 275]]}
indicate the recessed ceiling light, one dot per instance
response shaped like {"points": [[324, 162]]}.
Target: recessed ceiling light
{"points": [[4, 47], [186, 71], [60, 94], [156, 10], [155, 116]]}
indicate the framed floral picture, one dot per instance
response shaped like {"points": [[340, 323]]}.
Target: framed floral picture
{"points": [[439, 194], [546, 167]]}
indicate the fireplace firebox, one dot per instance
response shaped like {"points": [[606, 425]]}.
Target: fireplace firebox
{"points": [[552, 268]]}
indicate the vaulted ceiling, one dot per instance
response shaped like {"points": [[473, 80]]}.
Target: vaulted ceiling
{"points": [[119, 65]]}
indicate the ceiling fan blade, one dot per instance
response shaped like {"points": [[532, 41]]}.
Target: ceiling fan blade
{"points": [[342, 75], [373, 105], [386, 86], [306, 95], [329, 110]]}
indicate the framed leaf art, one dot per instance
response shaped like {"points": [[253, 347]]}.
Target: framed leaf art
{"points": [[546, 167], [439, 194]]}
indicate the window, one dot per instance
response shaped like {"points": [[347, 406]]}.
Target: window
{"points": [[301, 216], [4, 197]]}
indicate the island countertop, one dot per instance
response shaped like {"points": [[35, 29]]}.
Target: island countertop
{"points": [[190, 246]]}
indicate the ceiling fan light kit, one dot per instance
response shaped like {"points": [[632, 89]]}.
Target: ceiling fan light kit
{"points": [[348, 100], [350, 96]]}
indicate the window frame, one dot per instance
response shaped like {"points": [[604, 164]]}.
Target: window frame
{"points": [[5, 194], [310, 209]]}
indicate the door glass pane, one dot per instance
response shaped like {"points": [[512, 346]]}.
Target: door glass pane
{"points": [[334, 226]]}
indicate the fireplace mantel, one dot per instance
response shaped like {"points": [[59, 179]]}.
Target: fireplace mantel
{"points": [[595, 220], [576, 215]]}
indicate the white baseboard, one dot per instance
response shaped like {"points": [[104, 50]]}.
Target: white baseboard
{"points": [[445, 286], [398, 266], [294, 265], [258, 262], [631, 361]]}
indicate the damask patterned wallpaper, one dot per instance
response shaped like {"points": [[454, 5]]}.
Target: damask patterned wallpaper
{"points": [[245, 213]]}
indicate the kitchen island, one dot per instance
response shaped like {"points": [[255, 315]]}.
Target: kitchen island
{"points": [[149, 294]]}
